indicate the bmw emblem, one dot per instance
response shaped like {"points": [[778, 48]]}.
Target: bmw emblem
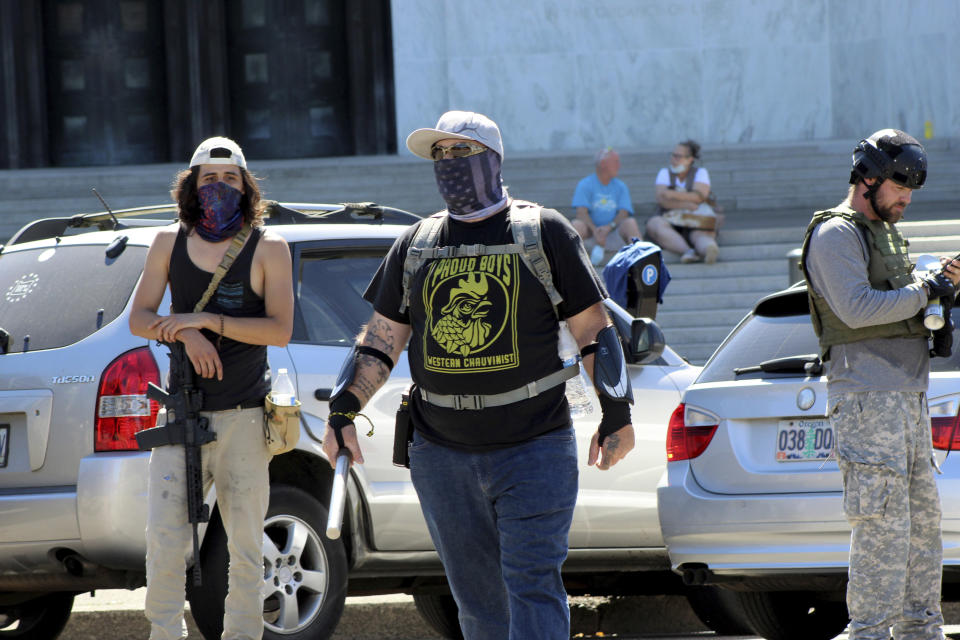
{"points": [[649, 275], [806, 398]]}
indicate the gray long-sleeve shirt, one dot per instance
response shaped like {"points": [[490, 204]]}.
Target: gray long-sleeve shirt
{"points": [[837, 264]]}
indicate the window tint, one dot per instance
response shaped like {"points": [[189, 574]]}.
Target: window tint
{"points": [[761, 338], [58, 296], [331, 287]]}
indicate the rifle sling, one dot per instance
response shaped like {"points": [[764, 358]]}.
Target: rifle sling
{"points": [[232, 252]]}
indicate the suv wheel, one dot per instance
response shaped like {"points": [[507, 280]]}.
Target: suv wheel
{"points": [[783, 615], [440, 612], [304, 585], [719, 610], [40, 618]]}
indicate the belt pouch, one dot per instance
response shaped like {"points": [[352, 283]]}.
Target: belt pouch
{"points": [[403, 433]]}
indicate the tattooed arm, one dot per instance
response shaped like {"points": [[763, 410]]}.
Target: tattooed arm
{"points": [[585, 326], [371, 374]]}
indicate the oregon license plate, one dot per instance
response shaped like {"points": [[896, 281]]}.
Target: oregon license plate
{"points": [[804, 439], [4, 444]]}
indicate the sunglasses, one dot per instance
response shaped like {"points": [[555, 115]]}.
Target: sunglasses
{"points": [[458, 150]]}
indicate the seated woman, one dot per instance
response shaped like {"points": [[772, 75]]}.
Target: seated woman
{"points": [[685, 222]]}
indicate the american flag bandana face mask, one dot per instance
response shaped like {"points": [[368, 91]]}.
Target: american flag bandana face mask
{"points": [[471, 186]]}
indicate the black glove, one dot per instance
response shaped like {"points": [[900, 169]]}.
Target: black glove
{"points": [[943, 338], [939, 286]]}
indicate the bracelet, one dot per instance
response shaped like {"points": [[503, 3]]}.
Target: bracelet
{"points": [[337, 425]]}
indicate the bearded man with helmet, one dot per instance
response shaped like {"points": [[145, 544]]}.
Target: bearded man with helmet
{"points": [[867, 310]]}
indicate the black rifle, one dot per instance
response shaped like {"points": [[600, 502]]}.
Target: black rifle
{"points": [[184, 426]]}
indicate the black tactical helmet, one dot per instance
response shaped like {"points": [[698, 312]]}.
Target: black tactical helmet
{"points": [[893, 154]]}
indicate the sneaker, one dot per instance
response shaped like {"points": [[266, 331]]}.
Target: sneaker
{"points": [[689, 256], [711, 255]]}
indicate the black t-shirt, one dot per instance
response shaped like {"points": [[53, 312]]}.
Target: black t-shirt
{"points": [[485, 325]]}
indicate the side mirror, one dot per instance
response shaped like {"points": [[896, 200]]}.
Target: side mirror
{"points": [[641, 338]]}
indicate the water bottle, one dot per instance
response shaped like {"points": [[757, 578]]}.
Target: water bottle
{"points": [[578, 397], [283, 394]]}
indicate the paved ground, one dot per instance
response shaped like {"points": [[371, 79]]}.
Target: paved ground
{"points": [[118, 614], [395, 618]]}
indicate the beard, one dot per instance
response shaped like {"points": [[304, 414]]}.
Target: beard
{"points": [[891, 213]]}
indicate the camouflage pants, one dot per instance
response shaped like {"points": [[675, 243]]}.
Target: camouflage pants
{"points": [[891, 501]]}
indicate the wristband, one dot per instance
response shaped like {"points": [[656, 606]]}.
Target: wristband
{"points": [[344, 409], [616, 415], [590, 348]]}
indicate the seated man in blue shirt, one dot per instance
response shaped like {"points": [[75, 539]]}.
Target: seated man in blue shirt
{"points": [[602, 203]]}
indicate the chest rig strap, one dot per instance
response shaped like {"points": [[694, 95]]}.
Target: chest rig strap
{"points": [[528, 244]]}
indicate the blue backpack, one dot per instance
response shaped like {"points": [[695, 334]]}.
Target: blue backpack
{"points": [[636, 278]]}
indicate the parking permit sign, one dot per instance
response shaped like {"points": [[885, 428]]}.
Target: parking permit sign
{"points": [[4, 443]]}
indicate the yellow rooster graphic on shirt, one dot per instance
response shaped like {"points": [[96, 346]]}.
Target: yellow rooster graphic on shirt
{"points": [[462, 328]]}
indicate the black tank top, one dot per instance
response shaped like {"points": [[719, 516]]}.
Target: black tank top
{"points": [[246, 375]]}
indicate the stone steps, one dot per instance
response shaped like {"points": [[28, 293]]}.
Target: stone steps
{"points": [[768, 190]]}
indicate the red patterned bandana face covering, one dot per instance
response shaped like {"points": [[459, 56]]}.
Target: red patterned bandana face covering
{"points": [[221, 217]]}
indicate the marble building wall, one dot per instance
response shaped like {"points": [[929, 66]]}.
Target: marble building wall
{"points": [[578, 74]]}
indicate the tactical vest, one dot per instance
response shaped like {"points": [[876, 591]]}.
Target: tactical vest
{"points": [[888, 268], [527, 242]]}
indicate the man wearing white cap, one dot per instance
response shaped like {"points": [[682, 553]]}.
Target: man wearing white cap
{"points": [[493, 456], [226, 342]]}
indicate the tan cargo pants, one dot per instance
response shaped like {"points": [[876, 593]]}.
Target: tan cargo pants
{"points": [[236, 462]]}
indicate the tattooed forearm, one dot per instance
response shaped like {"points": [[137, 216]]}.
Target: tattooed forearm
{"points": [[366, 381], [371, 372], [379, 335]]}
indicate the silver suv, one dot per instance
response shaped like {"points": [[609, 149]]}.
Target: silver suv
{"points": [[73, 488]]}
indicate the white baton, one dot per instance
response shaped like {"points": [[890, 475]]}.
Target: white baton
{"points": [[338, 495]]}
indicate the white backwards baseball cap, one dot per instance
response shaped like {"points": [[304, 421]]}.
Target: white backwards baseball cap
{"points": [[461, 125], [218, 150]]}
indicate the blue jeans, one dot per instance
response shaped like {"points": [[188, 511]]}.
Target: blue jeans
{"points": [[500, 521]]}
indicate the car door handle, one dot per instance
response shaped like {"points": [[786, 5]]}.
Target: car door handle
{"points": [[322, 394]]}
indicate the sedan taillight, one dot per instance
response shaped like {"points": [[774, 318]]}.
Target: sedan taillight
{"points": [[123, 408], [687, 441], [945, 424]]}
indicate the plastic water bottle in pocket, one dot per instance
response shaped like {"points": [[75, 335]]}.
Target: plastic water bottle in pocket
{"points": [[283, 394], [578, 395]]}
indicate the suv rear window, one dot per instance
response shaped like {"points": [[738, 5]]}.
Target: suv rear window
{"points": [[760, 338], [53, 297]]}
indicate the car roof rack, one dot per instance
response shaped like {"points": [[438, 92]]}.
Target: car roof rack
{"points": [[274, 213]]}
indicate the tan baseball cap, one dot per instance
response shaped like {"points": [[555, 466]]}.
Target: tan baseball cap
{"points": [[218, 150]]}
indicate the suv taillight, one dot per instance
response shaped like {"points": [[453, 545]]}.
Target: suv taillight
{"points": [[122, 404], [945, 423], [684, 441]]}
